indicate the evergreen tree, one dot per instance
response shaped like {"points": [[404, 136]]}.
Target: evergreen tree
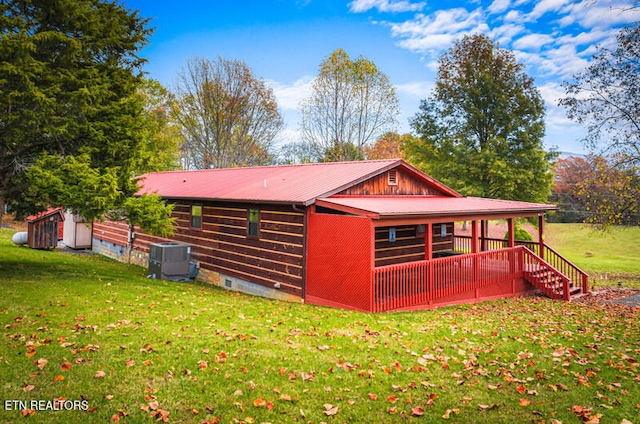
{"points": [[71, 125]]}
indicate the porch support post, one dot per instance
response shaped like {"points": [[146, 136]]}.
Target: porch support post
{"points": [[474, 236], [511, 229], [483, 235], [541, 234], [428, 255], [428, 242]]}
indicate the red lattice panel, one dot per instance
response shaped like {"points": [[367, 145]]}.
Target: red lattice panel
{"points": [[339, 262]]}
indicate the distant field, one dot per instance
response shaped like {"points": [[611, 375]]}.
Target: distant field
{"points": [[613, 255]]}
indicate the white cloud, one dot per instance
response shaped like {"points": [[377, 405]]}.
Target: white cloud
{"points": [[504, 34], [545, 6], [359, 6], [415, 89], [289, 96], [439, 30], [603, 14], [514, 16], [499, 6], [533, 41]]}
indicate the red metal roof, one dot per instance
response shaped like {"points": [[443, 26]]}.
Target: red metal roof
{"points": [[48, 212], [381, 207], [299, 184]]}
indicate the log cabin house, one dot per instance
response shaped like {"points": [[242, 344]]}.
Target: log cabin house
{"points": [[369, 235]]}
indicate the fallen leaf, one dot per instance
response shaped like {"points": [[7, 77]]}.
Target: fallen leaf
{"points": [[330, 410], [417, 411], [259, 402], [373, 396], [58, 378], [40, 363], [130, 362], [161, 415], [65, 366], [525, 402], [100, 374], [27, 412]]}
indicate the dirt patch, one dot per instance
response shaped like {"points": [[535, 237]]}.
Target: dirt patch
{"points": [[628, 297], [9, 222]]}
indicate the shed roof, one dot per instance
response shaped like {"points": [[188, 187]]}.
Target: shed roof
{"points": [[45, 214], [298, 184], [389, 207]]}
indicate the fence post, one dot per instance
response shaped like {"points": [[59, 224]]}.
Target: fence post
{"points": [[585, 284], [541, 235]]}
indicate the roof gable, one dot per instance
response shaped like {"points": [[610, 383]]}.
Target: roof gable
{"points": [[46, 214], [298, 184]]}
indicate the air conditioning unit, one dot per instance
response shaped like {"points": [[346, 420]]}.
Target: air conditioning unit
{"points": [[169, 261]]}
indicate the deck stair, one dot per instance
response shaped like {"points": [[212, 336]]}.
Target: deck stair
{"points": [[551, 282]]}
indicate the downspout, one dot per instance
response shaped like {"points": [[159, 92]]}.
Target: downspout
{"points": [[130, 238]]}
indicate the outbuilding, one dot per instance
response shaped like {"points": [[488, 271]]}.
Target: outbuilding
{"points": [[44, 229], [367, 235]]}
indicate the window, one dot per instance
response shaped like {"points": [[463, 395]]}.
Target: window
{"points": [[443, 230], [196, 216], [393, 177], [392, 235], [253, 226], [420, 230]]}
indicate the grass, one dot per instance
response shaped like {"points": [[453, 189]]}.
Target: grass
{"points": [[608, 257], [138, 350]]}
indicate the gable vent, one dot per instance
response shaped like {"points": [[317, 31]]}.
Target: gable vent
{"points": [[392, 177]]}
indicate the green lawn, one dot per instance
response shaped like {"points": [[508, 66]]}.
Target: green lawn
{"points": [[87, 329], [608, 257]]}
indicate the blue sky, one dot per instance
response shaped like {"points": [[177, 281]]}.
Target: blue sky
{"points": [[284, 42]]}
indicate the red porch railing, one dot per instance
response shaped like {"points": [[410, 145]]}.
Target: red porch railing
{"points": [[426, 282], [463, 244], [441, 280], [550, 255]]}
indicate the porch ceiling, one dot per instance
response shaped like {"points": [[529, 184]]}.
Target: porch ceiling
{"points": [[398, 207]]}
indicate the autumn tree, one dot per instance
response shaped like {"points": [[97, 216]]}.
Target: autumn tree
{"points": [[162, 137], [608, 193], [71, 122], [352, 103], [570, 173], [482, 127], [389, 145], [228, 117], [604, 97], [297, 152]]}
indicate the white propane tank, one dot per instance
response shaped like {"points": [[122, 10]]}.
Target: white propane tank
{"points": [[20, 238]]}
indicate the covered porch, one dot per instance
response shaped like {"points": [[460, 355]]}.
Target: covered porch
{"points": [[380, 254]]}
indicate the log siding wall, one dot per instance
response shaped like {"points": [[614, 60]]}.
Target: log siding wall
{"points": [[406, 184], [408, 247], [223, 245]]}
